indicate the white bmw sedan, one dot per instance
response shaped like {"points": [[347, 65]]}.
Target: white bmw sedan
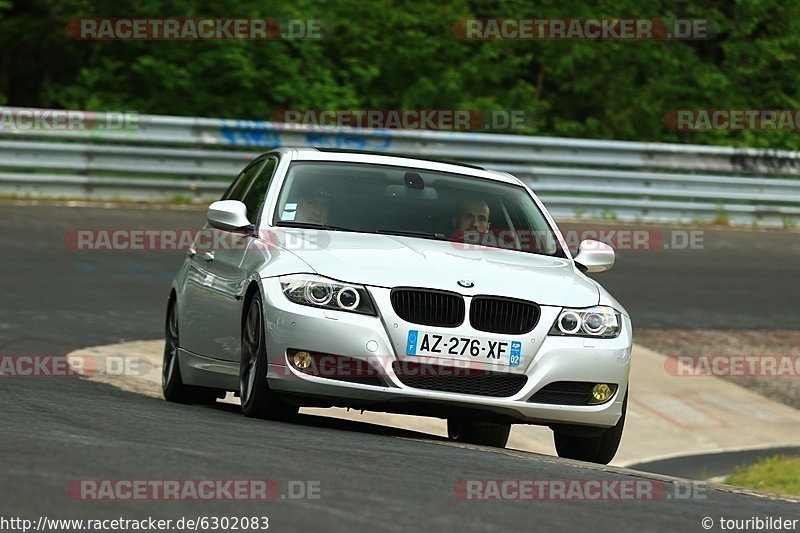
{"points": [[397, 284]]}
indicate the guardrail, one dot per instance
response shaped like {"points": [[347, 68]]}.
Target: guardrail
{"points": [[164, 157]]}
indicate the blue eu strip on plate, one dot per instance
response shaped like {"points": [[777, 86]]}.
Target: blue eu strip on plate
{"points": [[411, 345]]}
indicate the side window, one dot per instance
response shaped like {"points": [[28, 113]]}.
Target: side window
{"points": [[254, 197], [242, 181]]}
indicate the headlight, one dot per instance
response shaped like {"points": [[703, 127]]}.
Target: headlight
{"points": [[316, 291], [599, 321]]}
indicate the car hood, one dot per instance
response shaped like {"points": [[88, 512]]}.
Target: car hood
{"points": [[393, 261]]}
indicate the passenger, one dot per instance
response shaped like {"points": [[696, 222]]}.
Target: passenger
{"points": [[312, 205]]}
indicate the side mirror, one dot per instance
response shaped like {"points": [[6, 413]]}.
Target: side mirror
{"points": [[229, 215], [594, 256]]}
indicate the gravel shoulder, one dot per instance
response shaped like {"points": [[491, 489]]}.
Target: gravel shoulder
{"points": [[718, 342]]}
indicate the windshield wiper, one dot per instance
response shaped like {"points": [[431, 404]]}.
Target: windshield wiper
{"points": [[402, 233], [310, 225], [421, 234]]}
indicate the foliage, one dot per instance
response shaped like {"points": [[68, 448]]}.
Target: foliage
{"points": [[394, 54], [772, 474]]}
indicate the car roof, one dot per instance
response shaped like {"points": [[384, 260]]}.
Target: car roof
{"points": [[379, 158]]}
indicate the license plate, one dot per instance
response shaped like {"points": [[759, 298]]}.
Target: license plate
{"points": [[481, 349]]}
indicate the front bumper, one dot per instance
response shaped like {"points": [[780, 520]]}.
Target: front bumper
{"points": [[381, 340]]}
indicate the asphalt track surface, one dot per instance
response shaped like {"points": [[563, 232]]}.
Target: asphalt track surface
{"points": [[53, 430]]}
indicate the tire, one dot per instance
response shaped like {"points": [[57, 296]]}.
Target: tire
{"points": [[484, 433], [171, 382], [600, 449], [258, 400]]}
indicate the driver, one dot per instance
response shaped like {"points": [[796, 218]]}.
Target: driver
{"points": [[472, 216]]}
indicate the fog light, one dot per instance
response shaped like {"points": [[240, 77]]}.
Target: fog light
{"points": [[302, 360], [601, 393]]}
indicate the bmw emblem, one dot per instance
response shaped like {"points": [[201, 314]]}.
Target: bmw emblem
{"points": [[465, 283]]}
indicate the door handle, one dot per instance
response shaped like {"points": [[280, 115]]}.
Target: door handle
{"points": [[192, 252], [208, 256]]}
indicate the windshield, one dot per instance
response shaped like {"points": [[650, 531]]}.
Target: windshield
{"points": [[368, 198]]}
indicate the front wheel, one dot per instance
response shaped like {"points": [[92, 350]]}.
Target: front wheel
{"points": [[461, 429], [171, 382], [258, 400], [600, 449]]}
